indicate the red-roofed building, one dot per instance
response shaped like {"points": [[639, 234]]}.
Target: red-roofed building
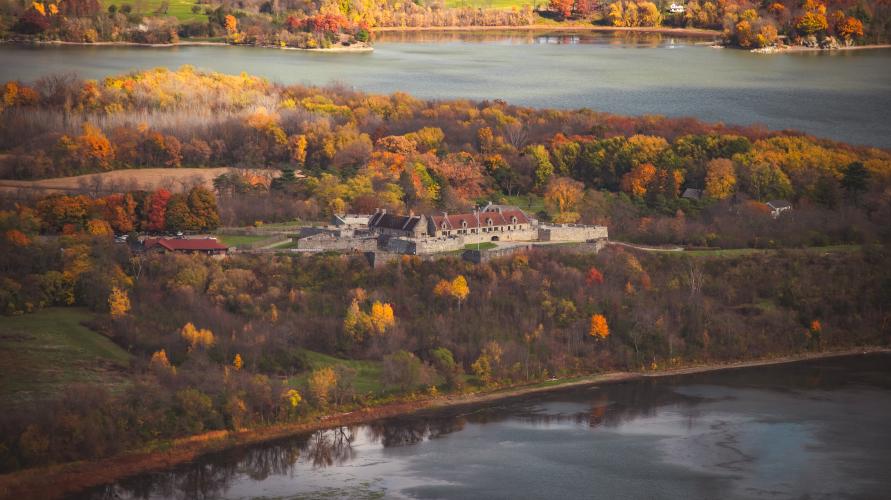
{"points": [[208, 246], [494, 219]]}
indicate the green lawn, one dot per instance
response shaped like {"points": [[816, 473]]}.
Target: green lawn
{"points": [[181, 9], [531, 204], [239, 240], [368, 373], [486, 245], [42, 353]]}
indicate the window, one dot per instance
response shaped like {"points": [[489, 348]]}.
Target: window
{"points": [[513, 220], [463, 223]]}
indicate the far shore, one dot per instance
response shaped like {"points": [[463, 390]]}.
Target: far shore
{"points": [[357, 47], [554, 27], [57, 481], [801, 48]]}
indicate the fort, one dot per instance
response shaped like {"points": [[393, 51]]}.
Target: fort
{"points": [[504, 226]]}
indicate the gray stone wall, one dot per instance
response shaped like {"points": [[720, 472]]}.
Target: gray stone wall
{"points": [[330, 241], [571, 232]]}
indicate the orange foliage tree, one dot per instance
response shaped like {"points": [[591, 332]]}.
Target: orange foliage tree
{"points": [[599, 327]]}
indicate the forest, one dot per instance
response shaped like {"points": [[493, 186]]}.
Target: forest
{"points": [[256, 340], [334, 149], [326, 24]]}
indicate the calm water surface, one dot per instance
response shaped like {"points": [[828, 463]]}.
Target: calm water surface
{"points": [[844, 96], [812, 430]]}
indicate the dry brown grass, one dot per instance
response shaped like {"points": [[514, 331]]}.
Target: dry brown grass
{"points": [[173, 179]]}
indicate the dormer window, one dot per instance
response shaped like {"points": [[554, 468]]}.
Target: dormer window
{"points": [[463, 223], [513, 220], [489, 222], [444, 225]]}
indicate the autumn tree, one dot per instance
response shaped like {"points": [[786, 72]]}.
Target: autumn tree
{"points": [[720, 178], [118, 303], [594, 277], [196, 338], [457, 289], [562, 7], [321, 383], [599, 328], [637, 181], [382, 317], [237, 362], [562, 196], [813, 18], [156, 210]]}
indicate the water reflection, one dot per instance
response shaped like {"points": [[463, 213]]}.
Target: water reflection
{"points": [[710, 422], [537, 37]]}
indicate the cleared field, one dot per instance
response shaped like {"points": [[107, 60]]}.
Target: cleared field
{"points": [[493, 4], [368, 373], [173, 179], [239, 240], [44, 352], [180, 9]]}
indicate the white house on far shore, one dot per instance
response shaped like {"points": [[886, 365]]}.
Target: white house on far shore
{"points": [[676, 8]]}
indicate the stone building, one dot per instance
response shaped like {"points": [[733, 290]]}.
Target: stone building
{"points": [[407, 226]]}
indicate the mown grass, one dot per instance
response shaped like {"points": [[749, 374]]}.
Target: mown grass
{"points": [[45, 352], [180, 9], [368, 373], [241, 240], [486, 245]]}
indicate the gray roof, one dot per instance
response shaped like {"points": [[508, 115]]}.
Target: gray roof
{"points": [[390, 221], [692, 193], [779, 204]]}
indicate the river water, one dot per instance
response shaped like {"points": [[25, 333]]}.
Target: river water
{"points": [[844, 95], [809, 430]]}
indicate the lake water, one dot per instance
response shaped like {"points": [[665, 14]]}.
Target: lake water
{"points": [[843, 95], [810, 430]]}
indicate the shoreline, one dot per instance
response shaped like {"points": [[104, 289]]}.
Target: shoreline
{"points": [[355, 48], [551, 27], [801, 48], [56, 481]]}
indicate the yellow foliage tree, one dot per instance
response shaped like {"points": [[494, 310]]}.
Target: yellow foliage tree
{"points": [[159, 359], [720, 178], [382, 317], [293, 397], [118, 302], [599, 327], [202, 338], [562, 196], [457, 289], [237, 362], [321, 383]]}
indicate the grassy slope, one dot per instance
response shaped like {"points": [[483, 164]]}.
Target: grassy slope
{"points": [[368, 373], [181, 9], [43, 352]]}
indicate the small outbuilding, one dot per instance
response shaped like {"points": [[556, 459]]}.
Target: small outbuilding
{"points": [[207, 246], [777, 207]]}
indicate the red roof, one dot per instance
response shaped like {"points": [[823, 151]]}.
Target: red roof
{"points": [[502, 218], [186, 244]]}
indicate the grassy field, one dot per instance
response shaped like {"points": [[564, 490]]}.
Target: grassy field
{"points": [[486, 245], [241, 240], [737, 252], [181, 9], [368, 373], [493, 4], [173, 179], [531, 204], [42, 353]]}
